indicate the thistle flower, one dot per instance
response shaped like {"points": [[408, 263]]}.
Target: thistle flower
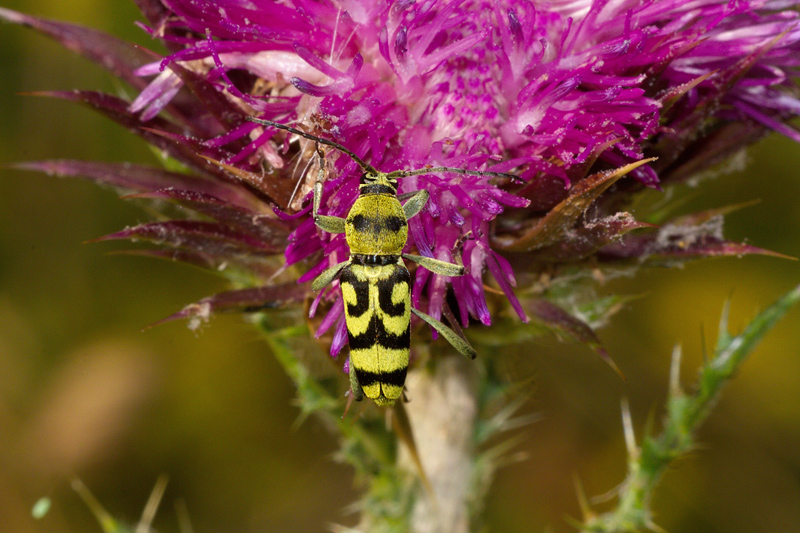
{"points": [[573, 96], [555, 91]]}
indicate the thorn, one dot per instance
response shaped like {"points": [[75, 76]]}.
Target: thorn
{"points": [[627, 425], [182, 512], [152, 504], [675, 373], [350, 399], [610, 362], [609, 495], [583, 502], [723, 320], [349, 396], [106, 521], [652, 526], [301, 417]]}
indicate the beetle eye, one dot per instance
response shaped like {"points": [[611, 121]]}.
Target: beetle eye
{"points": [[367, 178]]}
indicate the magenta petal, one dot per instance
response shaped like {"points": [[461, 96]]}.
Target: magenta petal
{"points": [[335, 313], [339, 337], [500, 268]]}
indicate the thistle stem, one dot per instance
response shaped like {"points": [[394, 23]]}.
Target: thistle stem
{"points": [[443, 412], [685, 413]]}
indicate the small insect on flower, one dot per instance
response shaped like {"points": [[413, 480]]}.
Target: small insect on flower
{"points": [[376, 286]]}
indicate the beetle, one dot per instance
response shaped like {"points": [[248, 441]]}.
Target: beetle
{"points": [[375, 283]]}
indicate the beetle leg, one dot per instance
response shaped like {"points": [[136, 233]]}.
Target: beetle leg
{"points": [[416, 201], [328, 275], [325, 223], [437, 267], [451, 336]]}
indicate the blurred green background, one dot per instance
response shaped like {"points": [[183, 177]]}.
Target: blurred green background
{"points": [[84, 391]]}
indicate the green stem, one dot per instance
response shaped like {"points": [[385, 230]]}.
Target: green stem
{"points": [[417, 475], [685, 414]]}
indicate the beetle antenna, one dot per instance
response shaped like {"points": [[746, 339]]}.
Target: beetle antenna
{"points": [[366, 167], [363, 164], [431, 170]]}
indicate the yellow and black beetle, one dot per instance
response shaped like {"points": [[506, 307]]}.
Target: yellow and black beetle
{"points": [[376, 286]]}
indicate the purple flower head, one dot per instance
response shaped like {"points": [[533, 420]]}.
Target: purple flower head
{"points": [[570, 95]]}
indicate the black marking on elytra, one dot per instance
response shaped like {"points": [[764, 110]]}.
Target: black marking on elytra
{"points": [[386, 287], [361, 289], [376, 334], [397, 377]]}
